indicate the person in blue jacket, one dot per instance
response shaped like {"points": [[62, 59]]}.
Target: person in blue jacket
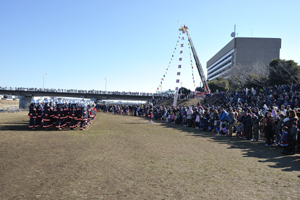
{"points": [[223, 116]]}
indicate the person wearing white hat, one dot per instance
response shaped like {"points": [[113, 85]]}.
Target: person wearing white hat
{"points": [[59, 115], [40, 109], [84, 117], [47, 115], [32, 114], [67, 121], [72, 115]]}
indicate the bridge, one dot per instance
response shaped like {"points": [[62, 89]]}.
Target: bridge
{"points": [[26, 95]]}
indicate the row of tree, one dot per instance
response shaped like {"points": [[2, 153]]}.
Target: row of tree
{"points": [[186, 91], [278, 72]]}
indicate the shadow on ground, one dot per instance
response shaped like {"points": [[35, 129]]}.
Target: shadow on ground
{"points": [[23, 126], [271, 155]]}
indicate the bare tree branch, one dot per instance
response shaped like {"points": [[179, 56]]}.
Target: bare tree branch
{"points": [[239, 75], [283, 71]]}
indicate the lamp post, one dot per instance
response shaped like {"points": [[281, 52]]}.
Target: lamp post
{"points": [[105, 85], [44, 81]]}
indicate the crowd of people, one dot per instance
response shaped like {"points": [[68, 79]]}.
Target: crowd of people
{"points": [[271, 115], [61, 113]]}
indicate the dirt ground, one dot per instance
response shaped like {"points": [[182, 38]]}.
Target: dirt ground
{"points": [[124, 157]]}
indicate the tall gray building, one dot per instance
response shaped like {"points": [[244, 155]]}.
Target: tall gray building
{"points": [[243, 51]]}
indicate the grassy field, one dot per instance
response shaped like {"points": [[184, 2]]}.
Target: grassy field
{"points": [[123, 157]]}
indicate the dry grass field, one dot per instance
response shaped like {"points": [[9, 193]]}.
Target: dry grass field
{"points": [[181, 102], [4, 104], [124, 157]]}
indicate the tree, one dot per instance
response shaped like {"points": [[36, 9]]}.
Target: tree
{"points": [[278, 72], [200, 89], [284, 72], [241, 76], [184, 90], [254, 81], [219, 83]]}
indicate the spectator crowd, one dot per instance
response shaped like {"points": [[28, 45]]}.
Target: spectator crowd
{"points": [[270, 115]]}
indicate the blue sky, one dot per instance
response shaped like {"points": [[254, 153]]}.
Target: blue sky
{"points": [[130, 43]]}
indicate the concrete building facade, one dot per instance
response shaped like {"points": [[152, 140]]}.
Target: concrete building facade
{"points": [[243, 51]]}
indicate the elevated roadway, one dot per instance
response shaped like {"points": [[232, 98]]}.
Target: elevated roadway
{"points": [[25, 96]]}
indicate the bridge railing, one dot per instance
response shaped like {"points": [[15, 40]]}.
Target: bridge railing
{"points": [[81, 91]]}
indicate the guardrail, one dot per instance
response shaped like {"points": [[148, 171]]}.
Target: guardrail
{"points": [[82, 91]]}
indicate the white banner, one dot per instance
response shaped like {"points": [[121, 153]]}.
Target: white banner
{"points": [[175, 99]]}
